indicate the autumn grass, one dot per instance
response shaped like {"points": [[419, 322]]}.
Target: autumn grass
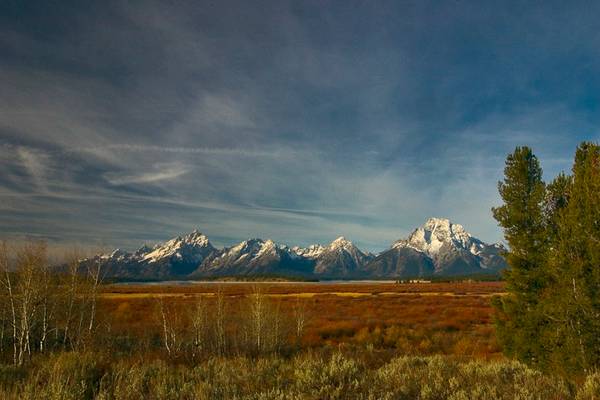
{"points": [[308, 375], [241, 288], [429, 341], [412, 319]]}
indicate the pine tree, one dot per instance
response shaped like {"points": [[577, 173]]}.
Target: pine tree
{"points": [[574, 262], [557, 198], [519, 322], [551, 315]]}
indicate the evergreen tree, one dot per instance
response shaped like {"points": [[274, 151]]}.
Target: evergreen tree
{"points": [[557, 198], [574, 298], [551, 315], [519, 322]]}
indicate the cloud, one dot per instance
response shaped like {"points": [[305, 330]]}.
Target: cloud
{"points": [[165, 173], [298, 122], [184, 150]]}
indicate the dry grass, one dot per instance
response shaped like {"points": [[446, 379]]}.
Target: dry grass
{"points": [[434, 318]]}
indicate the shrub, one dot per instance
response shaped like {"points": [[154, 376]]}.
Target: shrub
{"points": [[306, 376], [591, 388], [437, 377], [336, 378], [65, 376]]}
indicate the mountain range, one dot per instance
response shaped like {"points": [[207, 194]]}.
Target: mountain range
{"points": [[437, 248]]}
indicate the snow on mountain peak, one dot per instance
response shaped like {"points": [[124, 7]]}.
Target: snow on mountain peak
{"points": [[267, 247], [312, 251], [436, 232], [340, 242], [117, 254], [196, 238], [174, 247]]}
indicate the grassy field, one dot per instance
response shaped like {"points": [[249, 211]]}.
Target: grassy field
{"points": [[368, 340], [415, 319]]}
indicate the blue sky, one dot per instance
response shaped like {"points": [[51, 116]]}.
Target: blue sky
{"points": [[130, 122]]}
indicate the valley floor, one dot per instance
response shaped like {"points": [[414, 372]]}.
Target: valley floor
{"points": [[352, 340], [416, 319]]}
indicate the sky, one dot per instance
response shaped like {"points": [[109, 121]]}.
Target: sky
{"points": [[130, 122]]}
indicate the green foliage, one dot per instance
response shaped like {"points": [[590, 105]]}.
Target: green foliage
{"points": [[522, 217], [551, 316], [574, 302], [557, 198]]}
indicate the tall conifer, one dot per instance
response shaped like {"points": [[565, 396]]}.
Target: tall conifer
{"points": [[518, 321], [575, 266]]}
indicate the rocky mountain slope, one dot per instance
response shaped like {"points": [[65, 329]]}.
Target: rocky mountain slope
{"points": [[438, 247], [341, 259], [177, 257], [255, 257]]}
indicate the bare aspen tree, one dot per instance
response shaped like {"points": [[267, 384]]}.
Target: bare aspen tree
{"points": [[276, 330], [199, 325], [299, 313], [8, 285], [171, 327], [165, 325], [48, 304], [219, 322], [30, 261], [95, 277], [41, 305], [82, 300], [72, 283], [258, 315]]}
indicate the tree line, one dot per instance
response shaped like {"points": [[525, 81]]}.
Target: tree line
{"points": [[207, 326], [550, 318], [45, 309], [42, 310]]}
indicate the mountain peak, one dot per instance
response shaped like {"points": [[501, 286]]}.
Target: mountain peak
{"points": [[312, 251], [191, 244], [439, 247], [340, 242], [435, 221], [117, 253], [435, 233], [267, 247], [195, 237]]}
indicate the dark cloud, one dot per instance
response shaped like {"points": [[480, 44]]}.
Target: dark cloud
{"points": [[129, 122]]}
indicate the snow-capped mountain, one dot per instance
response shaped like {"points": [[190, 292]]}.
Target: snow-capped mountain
{"points": [[255, 257], [192, 248], [438, 247], [340, 259], [177, 257], [312, 251]]}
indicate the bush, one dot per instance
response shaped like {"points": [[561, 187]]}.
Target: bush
{"points": [[336, 378], [306, 376], [591, 388], [64, 376], [437, 377]]}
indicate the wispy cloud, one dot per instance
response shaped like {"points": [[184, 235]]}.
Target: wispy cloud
{"points": [[35, 163], [140, 148], [298, 122], [166, 173]]}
